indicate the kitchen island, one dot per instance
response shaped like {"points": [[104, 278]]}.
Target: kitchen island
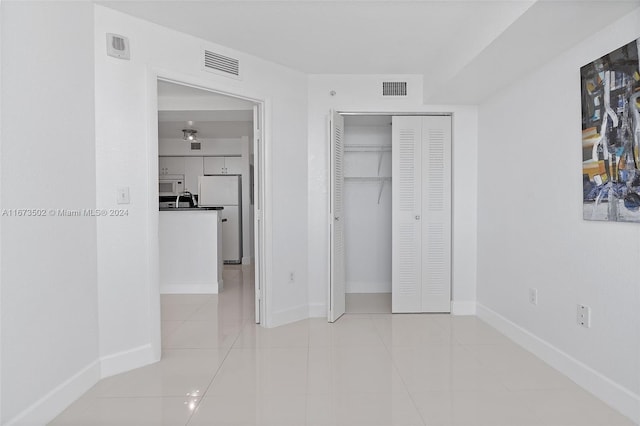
{"points": [[190, 250]]}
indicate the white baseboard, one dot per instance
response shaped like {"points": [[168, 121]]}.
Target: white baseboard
{"points": [[318, 310], [127, 360], [288, 316], [195, 288], [53, 403], [463, 307], [617, 396]]}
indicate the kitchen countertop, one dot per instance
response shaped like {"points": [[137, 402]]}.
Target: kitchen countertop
{"points": [[188, 209]]}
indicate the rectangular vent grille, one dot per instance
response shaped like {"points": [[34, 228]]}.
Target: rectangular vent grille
{"points": [[195, 146], [224, 64], [394, 88]]}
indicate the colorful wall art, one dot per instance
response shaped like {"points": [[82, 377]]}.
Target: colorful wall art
{"points": [[611, 136]]}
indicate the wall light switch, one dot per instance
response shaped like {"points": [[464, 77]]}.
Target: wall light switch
{"points": [[123, 195]]}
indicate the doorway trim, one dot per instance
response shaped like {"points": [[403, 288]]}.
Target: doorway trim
{"points": [[263, 256], [390, 113]]}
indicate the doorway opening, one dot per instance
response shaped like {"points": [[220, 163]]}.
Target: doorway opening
{"points": [[210, 156]]}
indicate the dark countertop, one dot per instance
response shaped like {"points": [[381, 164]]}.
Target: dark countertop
{"points": [[188, 209]]}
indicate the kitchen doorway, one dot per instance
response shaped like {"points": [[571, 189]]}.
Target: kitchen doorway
{"points": [[204, 133]]}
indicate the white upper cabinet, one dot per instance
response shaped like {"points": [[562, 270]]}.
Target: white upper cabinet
{"points": [[171, 166], [233, 165], [222, 165]]}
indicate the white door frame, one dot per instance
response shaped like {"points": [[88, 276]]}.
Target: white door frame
{"points": [[262, 169], [361, 112]]}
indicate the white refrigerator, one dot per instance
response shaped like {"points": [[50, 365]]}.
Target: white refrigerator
{"points": [[225, 191]]}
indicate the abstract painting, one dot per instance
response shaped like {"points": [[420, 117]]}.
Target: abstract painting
{"points": [[611, 136]]}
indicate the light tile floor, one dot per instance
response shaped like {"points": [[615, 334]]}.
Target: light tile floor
{"points": [[218, 368]]}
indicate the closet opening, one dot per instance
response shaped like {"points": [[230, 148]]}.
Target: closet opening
{"points": [[367, 213], [390, 213]]}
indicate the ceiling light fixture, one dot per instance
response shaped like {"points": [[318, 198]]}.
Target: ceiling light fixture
{"points": [[189, 135]]}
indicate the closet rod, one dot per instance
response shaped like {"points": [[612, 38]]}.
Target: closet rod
{"points": [[372, 148], [367, 178]]}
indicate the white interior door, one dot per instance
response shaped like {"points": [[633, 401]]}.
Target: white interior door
{"points": [[337, 259], [406, 290], [258, 182], [421, 235], [436, 208]]}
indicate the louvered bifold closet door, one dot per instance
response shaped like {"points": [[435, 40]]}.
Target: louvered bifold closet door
{"points": [[337, 286], [436, 214], [406, 293]]}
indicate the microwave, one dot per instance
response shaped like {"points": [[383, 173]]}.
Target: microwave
{"points": [[170, 185]]}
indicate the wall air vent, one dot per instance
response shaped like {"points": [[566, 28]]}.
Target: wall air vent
{"points": [[195, 146], [394, 88], [223, 65], [118, 46]]}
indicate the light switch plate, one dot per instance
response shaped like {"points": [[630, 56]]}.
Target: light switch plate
{"points": [[123, 195]]}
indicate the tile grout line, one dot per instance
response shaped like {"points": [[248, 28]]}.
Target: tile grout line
{"points": [[406, 388]]}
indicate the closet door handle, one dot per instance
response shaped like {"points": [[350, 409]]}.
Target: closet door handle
{"points": [[417, 217]]}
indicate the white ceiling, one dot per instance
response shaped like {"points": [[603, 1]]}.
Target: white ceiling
{"points": [[213, 115], [443, 40]]}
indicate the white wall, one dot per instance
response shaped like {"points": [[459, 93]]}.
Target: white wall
{"points": [[361, 93], [127, 156], [49, 274], [531, 232], [209, 147]]}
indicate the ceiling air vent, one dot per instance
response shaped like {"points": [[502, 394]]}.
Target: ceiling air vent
{"points": [[394, 88], [220, 64]]}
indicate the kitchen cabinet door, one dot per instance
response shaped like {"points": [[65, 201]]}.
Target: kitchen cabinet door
{"points": [[213, 165], [171, 166], [233, 165], [231, 235], [222, 165]]}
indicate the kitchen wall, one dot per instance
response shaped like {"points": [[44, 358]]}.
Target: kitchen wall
{"points": [[49, 306], [361, 93], [127, 156], [531, 233]]}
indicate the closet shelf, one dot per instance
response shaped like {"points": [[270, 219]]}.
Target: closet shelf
{"points": [[367, 148], [367, 178]]}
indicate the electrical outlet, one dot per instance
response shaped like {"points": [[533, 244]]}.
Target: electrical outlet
{"points": [[292, 277], [584, 316], [533, 296]]}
